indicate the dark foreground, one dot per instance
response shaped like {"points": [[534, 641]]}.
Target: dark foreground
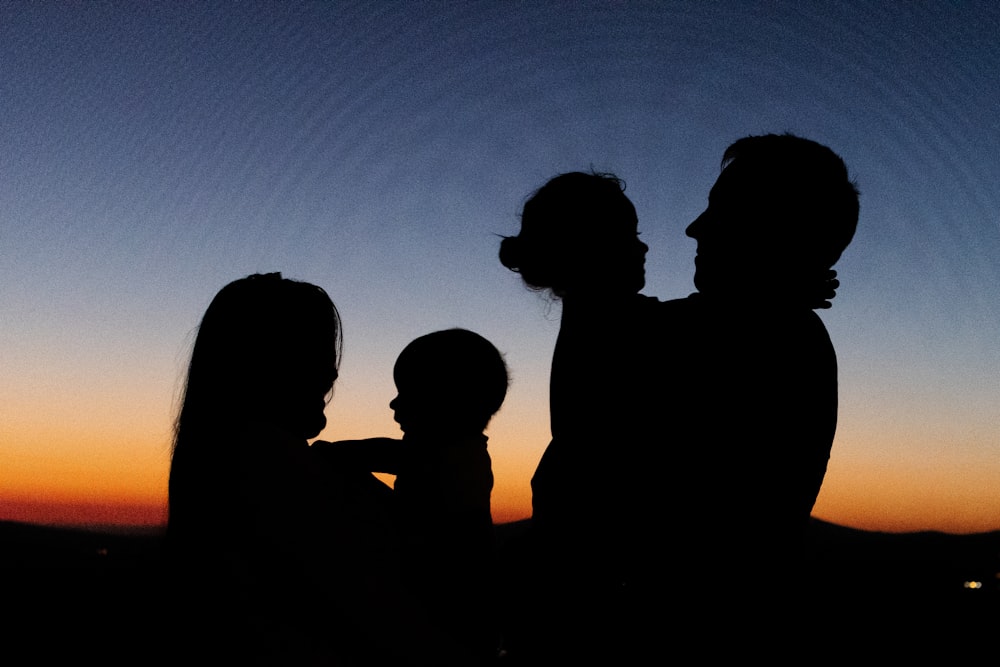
{"points": [[76, 595]]}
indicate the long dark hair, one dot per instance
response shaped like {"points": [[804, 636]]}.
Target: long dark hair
{"points": [[267, 351]]}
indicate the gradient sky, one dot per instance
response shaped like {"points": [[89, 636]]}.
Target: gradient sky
{"points": [[152, 152]]}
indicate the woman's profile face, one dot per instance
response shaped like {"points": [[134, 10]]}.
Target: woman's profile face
{"points": [[302, 382], [301, 404], [628, 256], [611, 257]]}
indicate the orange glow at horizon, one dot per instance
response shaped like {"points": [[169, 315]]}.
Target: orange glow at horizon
{"points": [[120, 512], [90, 471], [898, 497], [93, 473], [102, 480]]}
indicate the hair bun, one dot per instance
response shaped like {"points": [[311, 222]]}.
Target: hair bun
{"points": [[511, 252]]}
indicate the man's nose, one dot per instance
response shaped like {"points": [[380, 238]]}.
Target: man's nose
{"points": [[694, 229]]}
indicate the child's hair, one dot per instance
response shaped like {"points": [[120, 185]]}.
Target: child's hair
{"points": [[456, 368], [567, 213]]}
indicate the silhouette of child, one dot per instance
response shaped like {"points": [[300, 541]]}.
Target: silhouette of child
{"points": [[449, 385]]}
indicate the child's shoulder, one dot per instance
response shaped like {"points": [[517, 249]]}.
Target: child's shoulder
{"points": [[445, 447], [450, 466]]}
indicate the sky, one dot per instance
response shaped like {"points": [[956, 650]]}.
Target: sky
{"points": [[150, 153]]}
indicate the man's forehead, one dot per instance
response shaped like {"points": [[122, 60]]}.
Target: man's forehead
{"points": [[741, 180], [726, 186]]}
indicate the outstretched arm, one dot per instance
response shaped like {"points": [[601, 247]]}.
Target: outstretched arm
{"points": [[371, 454]]}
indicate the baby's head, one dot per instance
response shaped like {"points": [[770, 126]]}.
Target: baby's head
{"points": [[448, 383]]}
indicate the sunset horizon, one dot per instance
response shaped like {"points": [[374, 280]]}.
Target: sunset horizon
{"points": [[155, 152]]}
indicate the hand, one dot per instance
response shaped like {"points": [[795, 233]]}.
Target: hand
{"points": [[823, 292]]}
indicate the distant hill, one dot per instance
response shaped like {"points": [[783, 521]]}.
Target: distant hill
{"points": [[851, 564], [974, 557], [80, 592], [34, 546]]}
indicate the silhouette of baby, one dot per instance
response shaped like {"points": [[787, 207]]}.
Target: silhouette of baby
{"points": [[449, 385]]}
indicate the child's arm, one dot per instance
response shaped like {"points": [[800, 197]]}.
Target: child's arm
{"points": [[372, 454]]}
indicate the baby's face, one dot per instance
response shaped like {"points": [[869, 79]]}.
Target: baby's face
{"points": [[398, 406], [407, 409], [419, 411]]}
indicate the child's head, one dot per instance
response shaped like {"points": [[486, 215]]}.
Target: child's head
{"points": [[578, 234], [267, 348], [450, 381]]}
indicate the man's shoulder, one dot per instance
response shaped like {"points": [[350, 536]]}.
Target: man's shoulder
{"points": [[670, 318], [653, 308]]}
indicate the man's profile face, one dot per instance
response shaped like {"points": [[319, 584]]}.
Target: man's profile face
{"points": [[728, 233]]}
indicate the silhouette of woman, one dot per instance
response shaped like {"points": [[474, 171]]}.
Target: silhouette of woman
{"points": [[238, 535], [277, 556], [579, 242]]}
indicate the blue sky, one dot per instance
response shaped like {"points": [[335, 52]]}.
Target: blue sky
{"points": [[151, 153]]}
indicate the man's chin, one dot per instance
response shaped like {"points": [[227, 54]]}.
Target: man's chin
{"points": [[715, 282]]}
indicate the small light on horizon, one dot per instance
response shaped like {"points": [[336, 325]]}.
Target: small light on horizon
{"points": [[103, 551], [973, 584]]}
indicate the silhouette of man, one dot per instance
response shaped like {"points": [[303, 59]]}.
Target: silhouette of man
{"points": [[754, 373], [705, 442]]}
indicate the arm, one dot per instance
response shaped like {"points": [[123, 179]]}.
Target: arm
{"points": [[786, 420], [371, 454]]}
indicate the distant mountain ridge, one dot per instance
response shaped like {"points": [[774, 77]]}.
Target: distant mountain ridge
{"points": [[840, 561], [33, 545], [90, 592]]}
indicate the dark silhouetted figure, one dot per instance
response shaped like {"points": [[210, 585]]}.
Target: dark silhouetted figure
{"points": [[450, 384], [240, 537], [579, 241], [689, 438], [274, 558], [754, 370]]}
